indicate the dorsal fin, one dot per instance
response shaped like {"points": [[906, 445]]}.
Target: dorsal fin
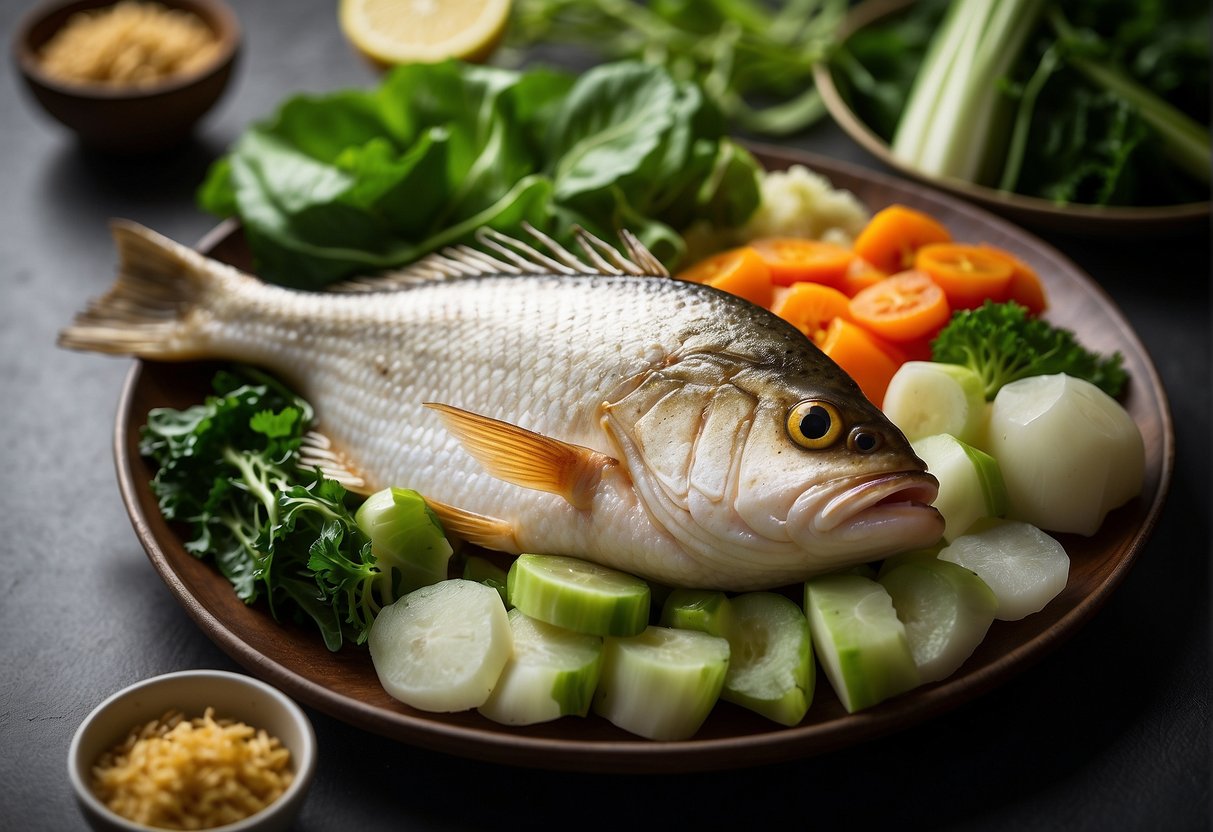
{"points": [[501, 254], [526, 458], [316, 450]]}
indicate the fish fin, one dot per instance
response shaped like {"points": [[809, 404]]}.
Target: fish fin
{"points": [[501, 254], [478, 529], [316, 450], [146, 311], [526, 458]]}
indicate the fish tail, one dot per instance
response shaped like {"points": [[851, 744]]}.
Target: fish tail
{"points": [[146, 312]]}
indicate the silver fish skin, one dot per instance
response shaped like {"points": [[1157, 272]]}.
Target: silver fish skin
{"points": [[648, 424]]}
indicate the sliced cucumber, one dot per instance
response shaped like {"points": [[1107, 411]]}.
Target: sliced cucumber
{"points": [[578, 595], [946, 610], [442, 647], [406, 539], [771, 668], [925, 398], [970, 483], [859, 640], [484, 571], [912, 556], [1025, 567], [698, 609], [553, 673], [662, 683]]}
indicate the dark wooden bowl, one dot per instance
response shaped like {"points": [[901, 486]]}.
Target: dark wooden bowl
{"points": [[127, 119]]}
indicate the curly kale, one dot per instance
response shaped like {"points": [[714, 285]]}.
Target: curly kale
{"points": [[1002, 342], [227, 469]]}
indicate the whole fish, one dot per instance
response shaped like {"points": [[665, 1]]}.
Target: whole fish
{"points": [[541, 401]]}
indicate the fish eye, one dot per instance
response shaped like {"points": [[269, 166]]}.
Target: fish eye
{"points": [[814, 424], [864, 440]]}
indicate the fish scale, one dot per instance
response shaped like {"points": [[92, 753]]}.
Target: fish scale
{"points": [[621, 365]]}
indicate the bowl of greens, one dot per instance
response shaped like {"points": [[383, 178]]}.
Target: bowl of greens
{"points": [[1072, 116]]}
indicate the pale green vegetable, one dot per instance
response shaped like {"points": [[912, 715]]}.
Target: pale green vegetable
{"points": [[442, 647], [912, 556], [1069, 453], [970, 482], [579, 595], [1025, 568], [771, 669], [406, 539], [705, 610], [553, 673], [662, 683], [946, 609], [955, 117], [484, 571], [925, 398], [859, 640]]}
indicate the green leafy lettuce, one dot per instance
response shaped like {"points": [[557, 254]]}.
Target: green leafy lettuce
{"points": [[363, 180]]}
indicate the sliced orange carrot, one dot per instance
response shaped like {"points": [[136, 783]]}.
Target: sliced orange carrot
{"points": [[891, 237], [793, 259], [860, 275], [1025, 287], [811, 307], [863, 356], [740, 271], [968, 275], [904, 307]]}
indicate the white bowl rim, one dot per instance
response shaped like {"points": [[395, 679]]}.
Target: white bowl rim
{"points": [[304, 756]]}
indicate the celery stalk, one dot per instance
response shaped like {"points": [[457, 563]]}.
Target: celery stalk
{"points": [[951, 122]]}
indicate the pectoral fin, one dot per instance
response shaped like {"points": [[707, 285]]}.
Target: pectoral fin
{"points": [[526, 458]]}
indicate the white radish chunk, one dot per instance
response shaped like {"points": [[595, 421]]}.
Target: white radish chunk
{"points": [[552, 673], [662, 683], [1069, 452], [442, 648], [1025, 568], [946, 609], [925, 398]]}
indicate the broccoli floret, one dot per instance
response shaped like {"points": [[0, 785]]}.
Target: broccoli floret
{"points": [[1002, 342]]}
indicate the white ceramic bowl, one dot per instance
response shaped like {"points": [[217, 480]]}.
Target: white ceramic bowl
{"points": [[233, 696]]}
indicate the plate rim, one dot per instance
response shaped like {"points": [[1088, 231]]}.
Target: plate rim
{"points": [[637, 755]]}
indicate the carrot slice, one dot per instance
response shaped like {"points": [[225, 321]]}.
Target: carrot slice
{"points": [[739, 271], [891, 237], [968, 275], [811, 307], [793, 259], [904, 307], [1026, 286], [860, 275], [863, 356]]}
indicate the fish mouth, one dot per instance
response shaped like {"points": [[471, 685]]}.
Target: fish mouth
{"points": [[874, 499]]}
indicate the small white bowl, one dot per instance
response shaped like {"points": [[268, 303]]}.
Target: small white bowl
{"points": [[233, 696]]}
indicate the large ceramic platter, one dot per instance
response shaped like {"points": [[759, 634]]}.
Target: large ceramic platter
{"points": [[344, 684]]}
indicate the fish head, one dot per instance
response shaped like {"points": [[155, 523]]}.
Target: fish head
{"points": [[769, 477]]}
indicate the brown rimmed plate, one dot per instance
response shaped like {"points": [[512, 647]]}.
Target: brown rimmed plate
{"points": [[1035, 212], [344, 684]]}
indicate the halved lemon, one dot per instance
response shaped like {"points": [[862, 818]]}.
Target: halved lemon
{"points": [[391, 32]]}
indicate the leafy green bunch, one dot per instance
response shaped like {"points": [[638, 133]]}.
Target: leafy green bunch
{"points": [[227, 469], [363, 180]]}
